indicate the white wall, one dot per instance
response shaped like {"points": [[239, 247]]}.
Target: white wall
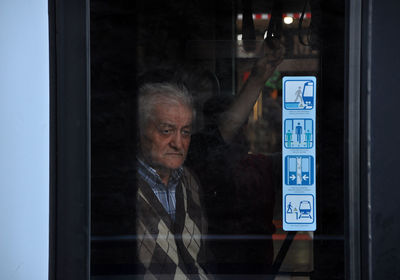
{"points": [[24, 139]]}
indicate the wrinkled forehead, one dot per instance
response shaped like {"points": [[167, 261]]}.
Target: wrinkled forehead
{"points": [[174, 113]]}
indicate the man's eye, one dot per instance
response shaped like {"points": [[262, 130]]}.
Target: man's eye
{"points": [[166, 131], [186, 132]]}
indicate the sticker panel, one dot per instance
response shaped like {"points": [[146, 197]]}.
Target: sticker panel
{"points": [[298, 153]]}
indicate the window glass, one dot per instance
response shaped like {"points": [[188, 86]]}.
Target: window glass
{"points": [[231, 56]]}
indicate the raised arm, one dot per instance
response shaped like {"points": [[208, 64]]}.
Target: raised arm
{"points": [[232, 119]]}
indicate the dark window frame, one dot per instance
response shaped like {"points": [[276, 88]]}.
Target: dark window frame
{"points": [[69, 140]]}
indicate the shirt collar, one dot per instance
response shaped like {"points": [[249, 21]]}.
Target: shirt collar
{"points": [[151, 176]]}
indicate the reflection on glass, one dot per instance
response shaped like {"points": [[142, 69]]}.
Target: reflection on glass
{"points": [[158, 181]]}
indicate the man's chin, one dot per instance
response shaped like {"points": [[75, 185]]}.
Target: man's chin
{"points": [[173, 164]]}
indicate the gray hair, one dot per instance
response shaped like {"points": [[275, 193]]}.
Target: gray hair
{"points": [[152, 94]]}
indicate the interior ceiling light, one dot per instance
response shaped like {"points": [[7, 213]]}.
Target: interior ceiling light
{"points": [[288, 19]]}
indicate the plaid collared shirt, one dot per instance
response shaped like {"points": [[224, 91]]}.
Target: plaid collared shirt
{"points": [[165, 194]]}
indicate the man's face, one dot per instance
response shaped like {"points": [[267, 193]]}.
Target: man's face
{"points": [[166, 138]]}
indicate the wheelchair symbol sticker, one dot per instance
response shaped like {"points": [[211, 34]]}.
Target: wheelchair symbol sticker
{"points": [[299, 170], [299, 209], [299, 94], [298, 133]]}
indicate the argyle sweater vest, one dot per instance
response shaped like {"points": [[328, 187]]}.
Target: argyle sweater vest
{"points": [[168, 249]]}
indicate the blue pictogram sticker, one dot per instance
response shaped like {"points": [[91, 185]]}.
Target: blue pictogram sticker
{"points": [[299, 133], [298, 153], [299, 170], [299, 209], [299, 94]]}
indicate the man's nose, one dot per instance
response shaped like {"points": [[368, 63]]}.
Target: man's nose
{"points": [[176, 141]]}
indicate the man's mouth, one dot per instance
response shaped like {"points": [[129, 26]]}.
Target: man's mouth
{"points": [[175, 154]]}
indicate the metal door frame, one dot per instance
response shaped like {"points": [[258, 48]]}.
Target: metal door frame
{"points": [[69, 139]]}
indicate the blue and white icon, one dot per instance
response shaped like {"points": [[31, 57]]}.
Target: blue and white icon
{"points": [[299, 94], [299, 209], [298, 133], [299, 170]]}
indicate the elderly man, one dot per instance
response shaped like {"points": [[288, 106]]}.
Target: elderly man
{"points": [[170, 222]]}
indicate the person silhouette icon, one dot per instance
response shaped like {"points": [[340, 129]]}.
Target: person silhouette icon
{"points": [[299, 97], [299, 131], [289, 209]]}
